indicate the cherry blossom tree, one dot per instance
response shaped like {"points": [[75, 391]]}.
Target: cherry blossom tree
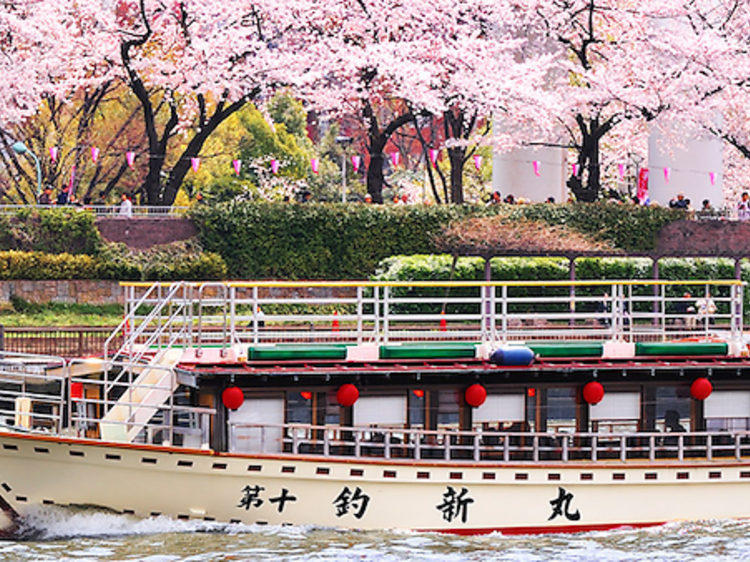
{"points": [[616, 68], [189, 64], [715, 35], [421, 58]]}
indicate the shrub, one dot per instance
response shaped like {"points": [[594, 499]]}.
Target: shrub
{"points": [[332, 241], [54, 230], [315, 241], [171, 262], [38, 265], [437, 267]]}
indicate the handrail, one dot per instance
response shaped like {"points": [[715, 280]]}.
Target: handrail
{"points": [[489, 311], [104, 210], [478, 446], [363, 283]]}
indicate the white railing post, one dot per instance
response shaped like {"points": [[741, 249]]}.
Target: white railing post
{"points": [[360, 315], [386, 314]]}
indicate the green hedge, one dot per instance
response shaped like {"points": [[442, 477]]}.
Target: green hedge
{"points": [[115, 263], [437, 268], [333, 241], [317, 241], [53, 230]]}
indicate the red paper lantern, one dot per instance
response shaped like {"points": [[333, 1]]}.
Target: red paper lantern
{"points": [[233, 397], [593, 392], [76, 390], [347, 395], [701, 388], [475, 395], [419, 393], [306, 394]]}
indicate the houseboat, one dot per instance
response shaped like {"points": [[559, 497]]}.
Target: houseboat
{"points": [[518, 407]]}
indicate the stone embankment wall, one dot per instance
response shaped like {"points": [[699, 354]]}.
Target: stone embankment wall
{"points": [[77, 291]]}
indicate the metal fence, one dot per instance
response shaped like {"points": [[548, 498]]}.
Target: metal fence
{"points": [[225, 314], [66, 342], [106, 210]]}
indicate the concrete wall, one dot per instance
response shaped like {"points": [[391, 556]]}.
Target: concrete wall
{"points": [[690, 168], [513, 173]]}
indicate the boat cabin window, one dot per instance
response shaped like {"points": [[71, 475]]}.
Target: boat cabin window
{"points": [[448, 402], [416, 399], [380, 411], [299, 407], [332, 413], [248, 436], [618, 412], [500, 412], [560, 409], [673, 409], [727, 411]]}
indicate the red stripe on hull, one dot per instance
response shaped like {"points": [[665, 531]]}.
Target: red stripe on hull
{"points": [[544, 530]]}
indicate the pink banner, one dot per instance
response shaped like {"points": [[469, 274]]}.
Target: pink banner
{"points": [[356, 161], [53, 153], [434, 153], [275, 166], [94, 154], [712, 177], [395, 158], [237, 165], [130, 158], [195, 163], [536, 167], [667, 171], [575, 170], [478, 161], [642, 193], [314, 164], [621, 169]]}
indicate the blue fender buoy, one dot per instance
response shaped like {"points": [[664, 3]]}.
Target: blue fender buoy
{"points": [[512, 356]]}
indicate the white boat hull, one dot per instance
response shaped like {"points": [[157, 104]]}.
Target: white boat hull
{"points": [[329, 492]]}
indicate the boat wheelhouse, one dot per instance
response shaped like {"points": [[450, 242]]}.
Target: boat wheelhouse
{"points": [[456, 407]]}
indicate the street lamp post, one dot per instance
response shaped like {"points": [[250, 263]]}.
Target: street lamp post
{"points": [[344, 142], [20, 148]]}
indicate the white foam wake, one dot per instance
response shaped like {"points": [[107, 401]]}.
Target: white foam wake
{"points": [[55, 522]]}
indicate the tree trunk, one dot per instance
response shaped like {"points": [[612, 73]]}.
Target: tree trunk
{"points": [[375, 178], [376, 146], [457, 157], [588, 159]]}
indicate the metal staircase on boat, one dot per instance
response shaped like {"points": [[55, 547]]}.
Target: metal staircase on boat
{"points": [[154, 385]]}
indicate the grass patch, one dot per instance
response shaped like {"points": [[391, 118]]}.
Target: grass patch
{"points": [[24, 313]]}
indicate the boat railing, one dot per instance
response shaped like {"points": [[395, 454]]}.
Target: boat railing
{"points": [[477, 446], [90, 399], [32, 391], [265, 312], [135, 403], [169, 425]]}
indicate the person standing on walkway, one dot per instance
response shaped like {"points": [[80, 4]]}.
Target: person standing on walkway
{"points": [[126, 206], [743, 207]]}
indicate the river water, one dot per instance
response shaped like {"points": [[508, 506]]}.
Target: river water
{"points": [[72, 535]]}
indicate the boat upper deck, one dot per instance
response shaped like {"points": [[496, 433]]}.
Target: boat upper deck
{"points": [[320, 322]]}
